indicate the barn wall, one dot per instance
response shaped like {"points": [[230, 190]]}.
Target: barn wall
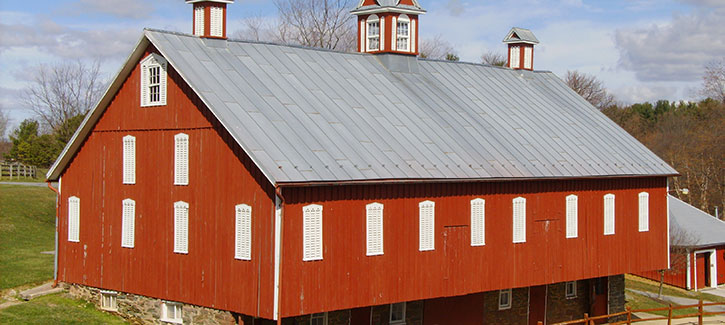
{"points": [[454, 267], [221, 176]]}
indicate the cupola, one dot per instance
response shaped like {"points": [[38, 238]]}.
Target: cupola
{"points": [[521, 43], [210, 18], [388, 26]]}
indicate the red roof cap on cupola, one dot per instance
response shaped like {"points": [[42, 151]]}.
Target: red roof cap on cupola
{"points": [[388, 26], [210, 18], [521, 43]]}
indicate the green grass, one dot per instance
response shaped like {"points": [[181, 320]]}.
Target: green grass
{"points": [[57, 309], [639, 302], [27, 227], [642, 284]]}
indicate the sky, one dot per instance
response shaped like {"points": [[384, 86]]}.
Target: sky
{"points": [[642, 50]]}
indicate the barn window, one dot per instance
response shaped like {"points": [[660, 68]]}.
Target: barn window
{"points": [[153, 81], [318, 319], [519, 216], [128, 223], [570, 289], [644, 211], [609, 214], [74, 219], [181, 227], [243, 232], [181, 159], [572, 216], [373, 30], [108, 300], [478, 222], [199, 21], [515, 59], [216, 21], [402, 32], [504, 299], [129, 159], [426, 223], [397, 313], [171, 312], [374, 226], [312, 232]]}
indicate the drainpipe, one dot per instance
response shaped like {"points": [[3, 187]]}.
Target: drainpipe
{"points": [[279, 213], [55, 255]]}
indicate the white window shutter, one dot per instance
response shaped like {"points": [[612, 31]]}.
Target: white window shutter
{"points": [[528, 53], [394, 34], [128, 223], [181, 227], [515, 57], [519, 216], [374, 226], [129, 160], [243, 231], [382, 33], [144, 85], [74, 219], [163, 84], [572, 216], [312, 232], [643, 211], [478, 222], [412, 36], [199, 21], [609, 214], [426, 223], [216, 21], [181, 159], [363, 36]]}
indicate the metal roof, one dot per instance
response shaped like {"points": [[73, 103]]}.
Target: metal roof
{"points": [[699, 229], [388, 5], [520, 35], [312, 115]]}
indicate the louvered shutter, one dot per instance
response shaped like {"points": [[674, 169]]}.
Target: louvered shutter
{"points": [[382, 33], [426, 221], [528, 53], [519, 222], [128, 223], [363, 36], [181, 159], [129, 160], [478, 222], [644, 211], [74, 216], [243, 238], [181, 227], [144, 84], [216, 21], [199, 21], [163, 75], [394, 34], [374, 226], [312, 232], [572, 216], [609, 214], [515, 59], [413, 33]]}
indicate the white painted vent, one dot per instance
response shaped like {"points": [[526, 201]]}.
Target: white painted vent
{"points": [[374, 226], [129, 159], [181, 227], [643, 211], [528, 56], [515, 59], [216, 21], [519, 216], [572, 216], [312, 232], [128, 223], [478, 222], [426, 224], [74, 219], [609, 214], [412, 36], [199, 21], [153, 81], [243, 232], [181, 159]]}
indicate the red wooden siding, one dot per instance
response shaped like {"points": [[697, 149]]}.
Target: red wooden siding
{"points": [[454, 267], [220, 175], [720, 257]]}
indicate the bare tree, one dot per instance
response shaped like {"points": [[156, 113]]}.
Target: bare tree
{"points": [[63, 91], [680, 242], [317, 23], [4, 121], [713, 83], [494, 58], [590, 88], [436, 48]]}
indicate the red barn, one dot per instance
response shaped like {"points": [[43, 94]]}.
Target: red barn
{"points": [[228, 180]]}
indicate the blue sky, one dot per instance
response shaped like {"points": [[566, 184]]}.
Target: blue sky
{"points": [[643, 50]]}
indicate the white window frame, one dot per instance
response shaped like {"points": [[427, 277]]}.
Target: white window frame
{"points": [[243, 232], [515, 57], [199, 20], [402, 19], [181, 159], [148, 65], [519, 220], [74, 219], [109, 300], [178, 315], [128, 223], [570, 289], [609, 214], [372, 20], [312, 233], [572, 216], [216, 21], [323, 316], [505, 299], [478, 222], [181, 227], [643, 212], [426, 226], [390, 316], [374, 216], [129, 159]]}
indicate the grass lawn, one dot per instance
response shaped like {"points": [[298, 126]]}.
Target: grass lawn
{"points": [[27, 227], [642, 284], [639, 302], [57, 309]]}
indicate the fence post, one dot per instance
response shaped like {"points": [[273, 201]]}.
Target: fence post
{"points": [[669, 315], [699, 312], [629, 315]]}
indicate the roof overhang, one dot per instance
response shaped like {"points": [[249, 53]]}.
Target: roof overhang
{"points": [[376, 10]]}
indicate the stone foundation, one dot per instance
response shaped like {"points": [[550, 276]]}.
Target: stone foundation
{"points": [[616, 297], [560, 308], [517, 314]]}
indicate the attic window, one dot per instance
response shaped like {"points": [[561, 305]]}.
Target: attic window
{"points": [[153, 81], [373, 39], [403, 34]]}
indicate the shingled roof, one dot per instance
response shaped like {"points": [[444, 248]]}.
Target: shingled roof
{"points": [[311, 115]]}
